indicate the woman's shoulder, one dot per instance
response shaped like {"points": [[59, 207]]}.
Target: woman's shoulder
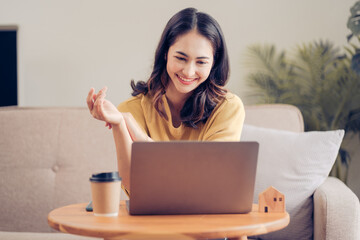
{"points": [[230, 104], [231, 100]]}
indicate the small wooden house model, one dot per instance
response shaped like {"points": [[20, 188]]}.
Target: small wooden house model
{"points": [[271, 200]]}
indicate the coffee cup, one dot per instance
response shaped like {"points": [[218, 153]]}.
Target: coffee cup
{"points": [[105, 191]]}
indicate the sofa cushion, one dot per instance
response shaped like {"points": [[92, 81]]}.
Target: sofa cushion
{"points": [[278, 116], [47, 156], [296, 164]]}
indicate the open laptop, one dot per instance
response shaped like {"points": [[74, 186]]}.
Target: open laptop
{"points": [[183, 177]]}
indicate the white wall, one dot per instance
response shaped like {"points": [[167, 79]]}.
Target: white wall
{"points": [[67, 46]]}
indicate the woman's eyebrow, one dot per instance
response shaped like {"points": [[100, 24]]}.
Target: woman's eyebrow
{"points": [[184, 54]]}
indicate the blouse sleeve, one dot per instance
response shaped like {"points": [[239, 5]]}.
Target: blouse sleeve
{"points": [[226, 121]]}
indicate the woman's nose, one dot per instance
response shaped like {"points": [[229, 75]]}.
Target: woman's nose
{"points": [[189, 70]]}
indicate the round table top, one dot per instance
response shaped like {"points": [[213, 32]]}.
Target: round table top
{"points": [[75, 219]]}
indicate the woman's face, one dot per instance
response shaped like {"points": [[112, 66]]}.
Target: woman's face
{"points": [[189, 62]]}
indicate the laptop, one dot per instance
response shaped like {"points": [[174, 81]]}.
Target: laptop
{"points": [[184, 177]]}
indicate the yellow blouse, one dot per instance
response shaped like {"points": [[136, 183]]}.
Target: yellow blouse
{"points": [[224, 124]]}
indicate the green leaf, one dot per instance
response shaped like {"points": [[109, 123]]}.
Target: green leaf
{"points": [[354, 20]]}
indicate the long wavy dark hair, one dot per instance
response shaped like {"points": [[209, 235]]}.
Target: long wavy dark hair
{"points": [[207, 95]]}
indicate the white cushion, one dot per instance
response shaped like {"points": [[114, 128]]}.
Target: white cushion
{"points": [[296, 164]]}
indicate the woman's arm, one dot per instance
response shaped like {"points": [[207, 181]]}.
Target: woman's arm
{"points": [[123, 143], [104, 110], [124, 126], [124, 134], [135, 131]]}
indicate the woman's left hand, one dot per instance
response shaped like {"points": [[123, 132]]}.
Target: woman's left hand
{"points": [[102, 109]]}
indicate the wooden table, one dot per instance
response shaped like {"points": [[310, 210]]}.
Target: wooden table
{"points": [[75, 220]]}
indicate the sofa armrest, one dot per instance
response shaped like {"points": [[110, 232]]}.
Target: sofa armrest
{"points": [[336, 211]]}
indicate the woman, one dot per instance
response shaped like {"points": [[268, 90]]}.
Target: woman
{"points": [[184, 98]]}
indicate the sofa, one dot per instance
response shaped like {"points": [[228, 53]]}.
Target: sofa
{"points": [[48, 154]]}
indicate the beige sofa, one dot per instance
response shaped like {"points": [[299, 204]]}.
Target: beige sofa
{"points": [[48, 154]]}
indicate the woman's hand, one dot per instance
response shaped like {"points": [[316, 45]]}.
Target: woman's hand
{"points": [[102, 109]]}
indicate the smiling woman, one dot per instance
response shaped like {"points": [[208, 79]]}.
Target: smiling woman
{"points": [[189, 62], [184, 98]]}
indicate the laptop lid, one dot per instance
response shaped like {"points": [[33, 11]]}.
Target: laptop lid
{"points": [[184, 177]]}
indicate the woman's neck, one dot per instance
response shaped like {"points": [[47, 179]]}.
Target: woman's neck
{"points": [[176, 99], [176, 102]]}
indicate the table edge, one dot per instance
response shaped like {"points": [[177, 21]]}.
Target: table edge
{"points": [[259, 229]]}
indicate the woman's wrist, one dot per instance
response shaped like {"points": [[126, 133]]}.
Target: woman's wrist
{"points": [[118, 123]]}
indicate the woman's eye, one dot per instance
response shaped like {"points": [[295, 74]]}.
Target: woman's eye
{"points": [[201, 62], [181, 58]]}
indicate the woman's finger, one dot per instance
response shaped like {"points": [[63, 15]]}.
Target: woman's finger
{"points": [[100, 106], [97, 106], [100, 100], [108, 125], [89, 99], [102, 92]]}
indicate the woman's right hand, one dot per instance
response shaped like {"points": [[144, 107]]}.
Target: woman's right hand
{"points": [[102, 109]]}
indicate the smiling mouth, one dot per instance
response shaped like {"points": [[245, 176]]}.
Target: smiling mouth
{"points": [[186, 80]]}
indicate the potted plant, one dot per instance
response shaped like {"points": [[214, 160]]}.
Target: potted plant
{"points": [[354, 25], [318, 79]]}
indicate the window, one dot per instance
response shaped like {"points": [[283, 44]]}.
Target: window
{"points": [[8, 66]]}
